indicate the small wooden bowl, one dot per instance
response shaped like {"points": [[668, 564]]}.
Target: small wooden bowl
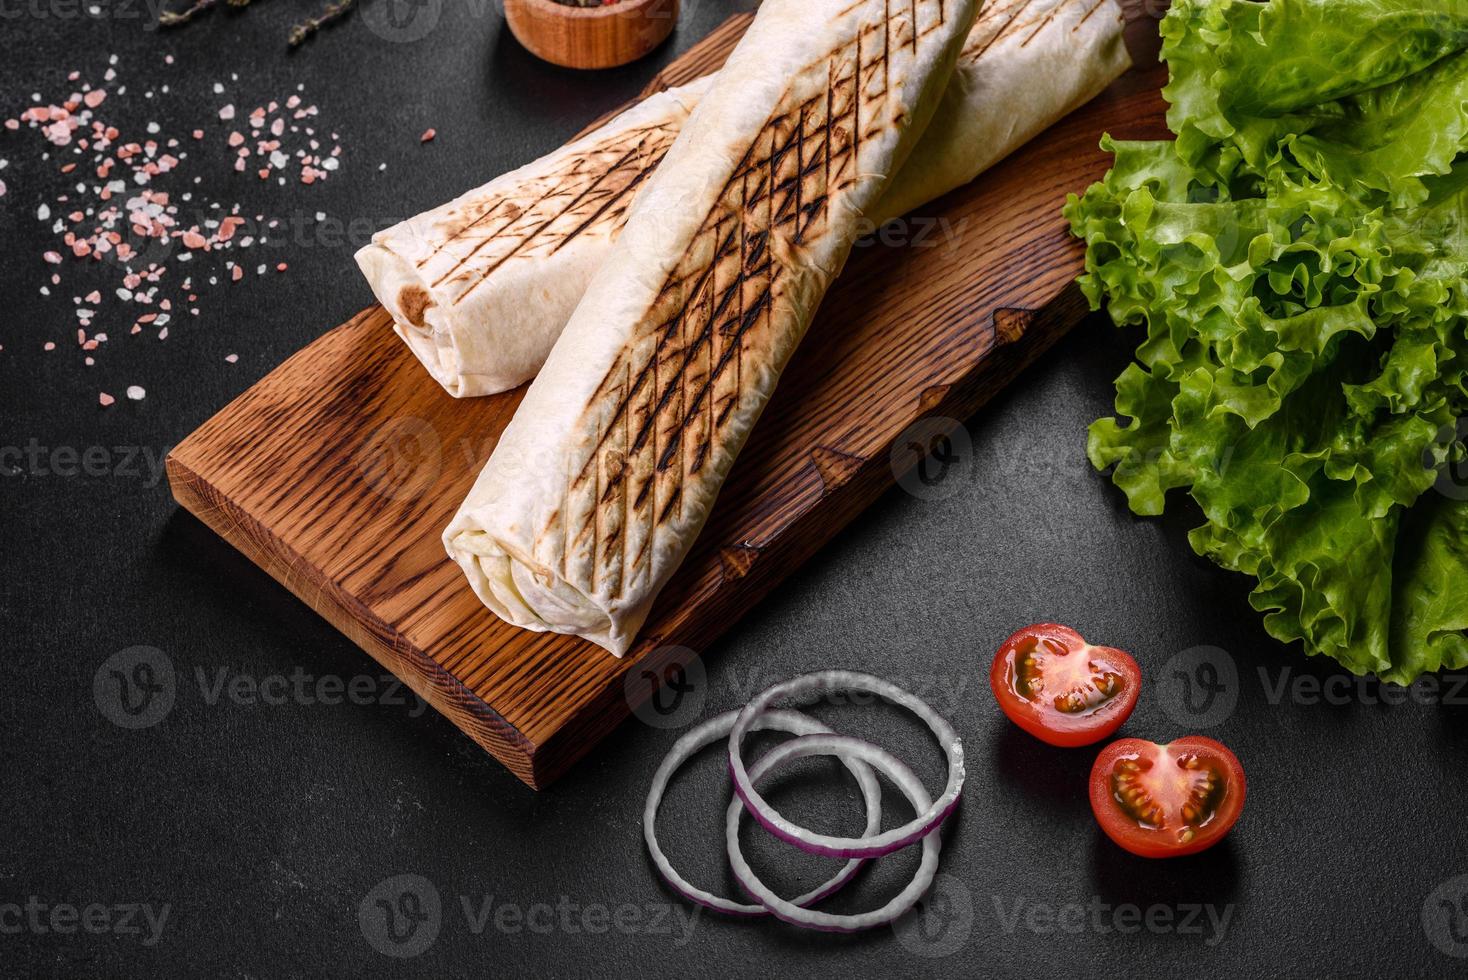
{"points": [[603, 36]]}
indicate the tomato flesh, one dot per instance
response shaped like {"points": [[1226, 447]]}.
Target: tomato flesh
{"points": [[1167, 800], [1061, 689]]}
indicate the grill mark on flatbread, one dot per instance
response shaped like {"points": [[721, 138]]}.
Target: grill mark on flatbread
{"points": [[1007, 30], [619, 198], [596, 182], [686, 364], [577, 166], [1087, 16], [1044, 21], [585, 164]]}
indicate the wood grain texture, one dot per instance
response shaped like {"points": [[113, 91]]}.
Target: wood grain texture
{"points": [[601, 36], [338, 472]]}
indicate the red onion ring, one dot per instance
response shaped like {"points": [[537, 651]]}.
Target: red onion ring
{"points": [[811, 687], [849, 750], [710, 732]]}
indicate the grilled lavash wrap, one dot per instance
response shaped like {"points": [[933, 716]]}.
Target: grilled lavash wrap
{"points": [[481, 287], [605, 475]]}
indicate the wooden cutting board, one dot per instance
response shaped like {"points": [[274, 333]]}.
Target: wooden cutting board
{"points": [[339, 470]]}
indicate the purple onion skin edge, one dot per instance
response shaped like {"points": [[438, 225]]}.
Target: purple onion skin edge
{"points": [[839, 852]]}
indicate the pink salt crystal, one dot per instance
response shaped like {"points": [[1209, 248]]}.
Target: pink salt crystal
{"points": [[198, 134], [93, 297], [105, 399], [428, 135], [49, 345], [94, 98], [227, 113], [231, 358]]}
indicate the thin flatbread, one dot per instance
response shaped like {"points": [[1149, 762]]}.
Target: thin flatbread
{"points": [[605, 475], [481, 287]]}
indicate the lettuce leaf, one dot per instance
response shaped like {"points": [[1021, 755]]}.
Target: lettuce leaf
{"points": [[1297, 261]]}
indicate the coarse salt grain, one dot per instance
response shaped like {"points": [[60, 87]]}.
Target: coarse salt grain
{"points": [[136, 393]]}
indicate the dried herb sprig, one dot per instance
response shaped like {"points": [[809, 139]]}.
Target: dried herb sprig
{"points": [[173, 18], [334, 11]]}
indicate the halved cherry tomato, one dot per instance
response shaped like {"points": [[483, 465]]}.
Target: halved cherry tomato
{"points": [[1062, 690], [1167, 800]]}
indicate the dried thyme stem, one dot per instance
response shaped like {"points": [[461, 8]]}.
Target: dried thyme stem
{"points": [[334, 11]]}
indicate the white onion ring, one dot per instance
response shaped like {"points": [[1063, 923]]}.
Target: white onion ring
{"points": [[848, 749], [811, 687], [710, 732]]}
